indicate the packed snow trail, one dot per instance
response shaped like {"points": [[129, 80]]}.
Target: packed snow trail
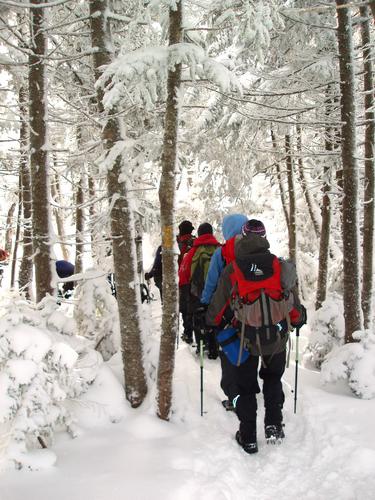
{"points": [[328, 453]]}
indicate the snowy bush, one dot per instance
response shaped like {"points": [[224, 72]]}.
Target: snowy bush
{"points": [[36, 376], [47, 314], [96, 313], [327, 331], [354, 363], [42, 366]]}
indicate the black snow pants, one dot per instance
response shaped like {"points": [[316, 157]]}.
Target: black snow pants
{"points": [[242, 381]]}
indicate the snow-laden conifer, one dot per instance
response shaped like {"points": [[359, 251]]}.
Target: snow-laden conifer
{"points": [[96, 313], [354, 363]]}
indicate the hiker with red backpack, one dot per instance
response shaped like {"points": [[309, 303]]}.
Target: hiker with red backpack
{"points": [[185, 241], [231, 229], [192, 273], [255, 315]]}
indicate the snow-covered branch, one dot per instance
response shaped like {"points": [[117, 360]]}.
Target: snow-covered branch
{"points": [[140, 75]]}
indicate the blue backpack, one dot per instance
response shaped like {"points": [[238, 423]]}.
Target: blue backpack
{"points": [[229, 342]]}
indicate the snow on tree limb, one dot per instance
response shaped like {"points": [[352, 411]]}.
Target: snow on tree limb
{"points": [[141, 74]]}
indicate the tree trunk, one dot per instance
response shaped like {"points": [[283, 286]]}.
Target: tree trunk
{"points": [[80, 220], [9, 228], [302, 178], [326, 213], [350, 218], [38, 154], [372, 5], [58, 213], [122, 225], [18, 230], [280, 182], [167, 210], [26, 266], [369, 192], [292, 201], [91, 190]]}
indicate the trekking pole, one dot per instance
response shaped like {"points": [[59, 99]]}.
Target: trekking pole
{"points": [[201, 363], [296, 372]]}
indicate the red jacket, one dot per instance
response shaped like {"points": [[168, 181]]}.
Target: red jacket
{"points": [[184, 271]]}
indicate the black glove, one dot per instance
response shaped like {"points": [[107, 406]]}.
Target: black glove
{"points": [[302, 320], [200, 316], [148, 276]]}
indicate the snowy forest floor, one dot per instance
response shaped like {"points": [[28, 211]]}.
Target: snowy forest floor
{"points": [[328, 453]]}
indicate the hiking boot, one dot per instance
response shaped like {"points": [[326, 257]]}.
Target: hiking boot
{"points": [[228, 405], [249, 447], [212, 354], [274, 433], [187, 338]]}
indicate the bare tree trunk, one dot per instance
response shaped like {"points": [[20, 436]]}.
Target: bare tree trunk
{"points": [[91, 189], [326, 212], [9, 228], [167, 206], [56, 195], [26, 266], [122, 224], [350, 222], [280, 182], [292, 201], [18, 230], [167, 209], [80, 221], [38, 154], [369, 191], [372, 5], [302, 178]]}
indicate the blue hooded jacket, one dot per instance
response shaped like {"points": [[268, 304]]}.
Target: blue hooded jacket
{"points": [[232, 225]]}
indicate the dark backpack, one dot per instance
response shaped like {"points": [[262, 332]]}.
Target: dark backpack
{"points": [[199, 268], [260, 304]]}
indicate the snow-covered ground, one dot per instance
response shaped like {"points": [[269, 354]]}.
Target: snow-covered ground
{"points": [[328, 453]]}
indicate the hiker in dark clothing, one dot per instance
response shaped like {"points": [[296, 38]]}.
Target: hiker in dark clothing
{"points": [[64, 269], [231, 228], [192, 272], [250, 292], [156, 272], [232, 231], [185, 241]]}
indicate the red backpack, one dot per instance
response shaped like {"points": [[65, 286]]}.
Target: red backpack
{"points": [[260, 304]]}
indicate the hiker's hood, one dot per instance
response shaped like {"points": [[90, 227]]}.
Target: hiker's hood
{"points": [[249, 245], [232, 225]]}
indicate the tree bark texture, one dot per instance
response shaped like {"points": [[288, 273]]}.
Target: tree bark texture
{"points": [[369, 191], [26, 267], [56, 195], [167, 210], [302, 178], [38, 154], [122, 224], [292, 200], [326, 212], [91, 193], [18, 231], [80, 216], [9, 228], [372, 6], [350, 211], [280, 182]]}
